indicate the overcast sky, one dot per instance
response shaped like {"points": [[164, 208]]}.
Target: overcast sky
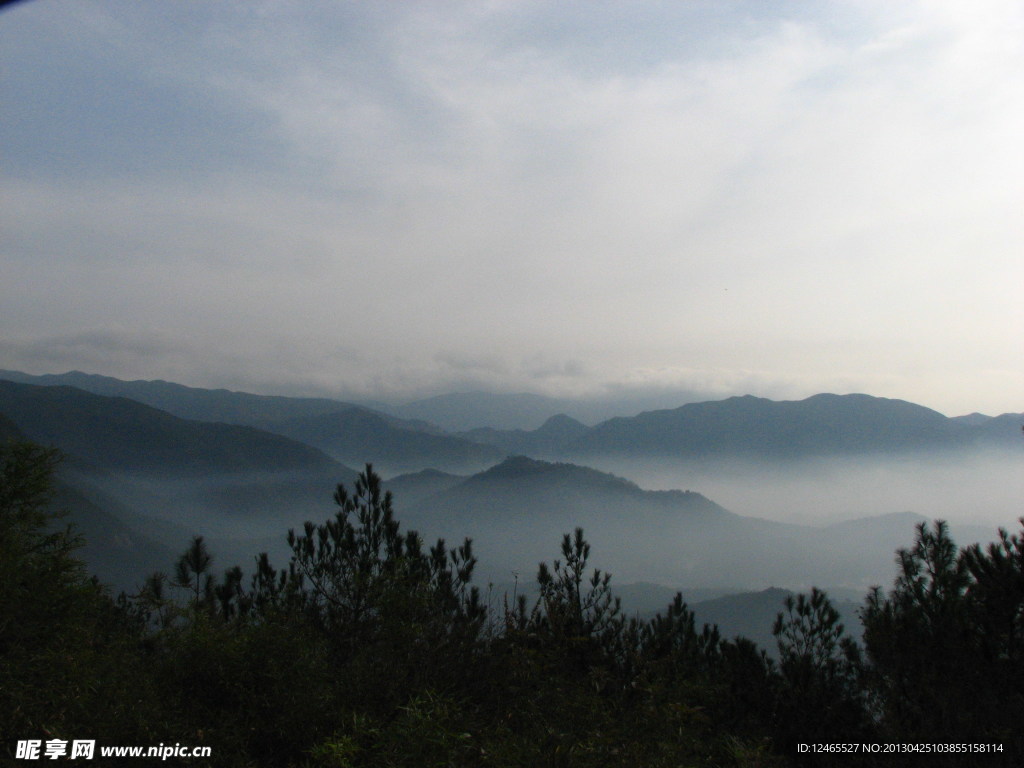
{"points": [[572, 198]]}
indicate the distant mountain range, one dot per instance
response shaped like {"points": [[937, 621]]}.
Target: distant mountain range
{"points": [[463, 411], [551, 438], [188, 402], [358, 435], [348, 433], [120, 434], [518, 510], [822, 425], [128, 465], [149, 463]]}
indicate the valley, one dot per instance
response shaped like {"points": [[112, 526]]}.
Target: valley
{"points": [[737, 496]]}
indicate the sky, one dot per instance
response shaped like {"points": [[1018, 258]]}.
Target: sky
{"points": [[580, 199]]}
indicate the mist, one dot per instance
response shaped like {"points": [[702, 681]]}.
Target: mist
{"points": [[966, 489], [834, 523]]}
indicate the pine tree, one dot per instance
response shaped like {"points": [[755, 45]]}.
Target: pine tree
{"points": [[820, 669], [191, 572]]}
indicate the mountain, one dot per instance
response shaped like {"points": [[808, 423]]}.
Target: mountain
{"points": [[821, 425], [118, 554], [1002, 431], [550, 439], [124, 435], [112, 551], [539, 426], [972, 419], [139, 481], [463, 411], [413, 487], [518, 511], [235, 483], [532, 488], [351, 434], [359, 436], [746, 614], [188, 402]]}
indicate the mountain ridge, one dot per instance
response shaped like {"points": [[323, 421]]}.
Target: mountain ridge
{"points": [[820, 425], [128, 435], [743, 426]]}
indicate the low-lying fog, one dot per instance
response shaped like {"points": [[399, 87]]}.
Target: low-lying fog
{"points": [[985, 489], [242, 516]]}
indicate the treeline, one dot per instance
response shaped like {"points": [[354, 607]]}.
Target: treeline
{"points": [[370, 648]]}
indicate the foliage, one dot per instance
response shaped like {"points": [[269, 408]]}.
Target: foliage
{"points": [[820, 669], [66, 665], [945, 663]]}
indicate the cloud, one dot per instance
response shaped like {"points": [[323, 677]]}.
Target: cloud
{"points": [[407, 196], [97, 349]]}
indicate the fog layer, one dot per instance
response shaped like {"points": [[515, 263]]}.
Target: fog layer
{"points": [[977, 488]]}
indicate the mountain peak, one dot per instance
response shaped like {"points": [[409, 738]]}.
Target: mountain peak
{"points": [[519, 467], [561, 420], [562, 427], [515, 467]]}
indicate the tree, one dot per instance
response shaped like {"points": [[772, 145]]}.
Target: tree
{"points": [[820, 670], [996, 595], [576, 608], [995, 608], [190, 570], [384, 602], [943, 647], [66, 652]]}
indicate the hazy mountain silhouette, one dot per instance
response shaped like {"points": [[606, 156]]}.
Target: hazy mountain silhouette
{"points": [[121, 434], [821, 425], [111, 549], [138, 463], [518, 510], [552, 438], [115, 551], [356, 435], [347, 432], [232, 481], [463, 411], [1002, 431], [745, 614], [411, 488], [188, 402]]}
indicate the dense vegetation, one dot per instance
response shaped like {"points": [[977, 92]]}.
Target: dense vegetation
{"points": [[370, 648]]}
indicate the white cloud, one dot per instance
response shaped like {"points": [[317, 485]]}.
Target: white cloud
{"points": [[717, 197]]}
